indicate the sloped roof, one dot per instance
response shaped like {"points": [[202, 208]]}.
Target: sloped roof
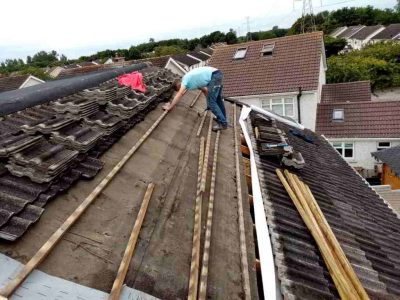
{"points": [[185, 60], [207, 50], [388, 33], [160, 61], [350, 31], [366, 32], [12, 82], [391, 157], [346, 92], [199, 55], [366, 228], [86, 63], [337, 30], [71, 72], [375, 119], [295, 63]]}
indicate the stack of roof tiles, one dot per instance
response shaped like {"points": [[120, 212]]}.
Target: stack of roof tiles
{"points": [[46, 148], [366, 228]]}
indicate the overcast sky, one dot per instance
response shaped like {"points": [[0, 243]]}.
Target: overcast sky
{"points": [[83, 27]]}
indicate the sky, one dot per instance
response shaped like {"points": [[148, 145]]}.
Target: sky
{"points": [[83, 27]]}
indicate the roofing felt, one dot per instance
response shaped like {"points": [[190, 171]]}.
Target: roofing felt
{"points": [[12, 82], [295, 62], [391, 157], [388, 33], [199, 55], [366, 32], [46, 148], [375, 119], [356, 91], [367, 229], [350, 31], [185, 60]]}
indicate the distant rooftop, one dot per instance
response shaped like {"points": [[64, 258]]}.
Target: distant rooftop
{"points": [[346, 92]]}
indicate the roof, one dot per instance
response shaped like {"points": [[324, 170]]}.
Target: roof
{"points": [[185, 60], [366, 228], [366, 32], [388, 33], [86, 63], [390, 196], [12, 82], [337, 30], [375, 119], [346, 92], [391, 157], [295, 63], [160, 61], [71, 72], [199, 55], [350, 31], [48, 147], [209, 51]]}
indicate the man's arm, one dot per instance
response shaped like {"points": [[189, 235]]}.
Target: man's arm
{"points": [[177, 98], [204, 90]]}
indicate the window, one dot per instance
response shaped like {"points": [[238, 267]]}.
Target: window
{"points": [[267, 49], [240, 53], [338, 115], [345, 149], [383, 145], [280, 106]]}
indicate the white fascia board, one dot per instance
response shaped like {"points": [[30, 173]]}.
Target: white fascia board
{"points": [[267, 264], [172, 61], [277, 117], [30, 77], [205, 53]]}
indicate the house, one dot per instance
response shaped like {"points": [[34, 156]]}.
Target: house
{"points": [[18, 82], [350, 31], [159, 61], [390, 33], [390, 196], [337, 31], [81, 70], [86, 64], [363, 36], [390, 159], [200, 56], [55, 71], [180, 64], [355, 125], [367, 228], [284, 74], [113, 60]]}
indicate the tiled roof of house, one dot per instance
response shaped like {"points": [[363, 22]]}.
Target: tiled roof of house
{"points": [[346, 92], [70, 72], [391, 157], [207, 50], [160, 61], [366, 32], [86, 63], [44, 149], [368, 231], [199, 55], [350, 31], [388, 33], [375, 119], [185, 60], [12, 82], [295, 62]]}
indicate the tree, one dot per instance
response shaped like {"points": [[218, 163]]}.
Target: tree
{"points": [[333, 45], [63, 58], [133, 53], [151, 40], [28, 59], [230, 37], [168, 50]]}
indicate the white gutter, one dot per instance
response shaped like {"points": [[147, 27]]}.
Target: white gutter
{"points": [[268, 276], [276, 117]]}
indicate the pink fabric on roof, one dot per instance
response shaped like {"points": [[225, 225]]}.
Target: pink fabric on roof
{"points": [[134, 80]]}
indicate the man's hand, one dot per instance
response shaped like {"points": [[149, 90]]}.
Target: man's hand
{"points": [[167, 106]]}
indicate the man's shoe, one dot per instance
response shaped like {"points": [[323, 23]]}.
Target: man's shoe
{"points": [[219, 127]]}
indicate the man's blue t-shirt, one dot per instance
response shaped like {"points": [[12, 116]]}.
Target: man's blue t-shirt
{"points": [[197, 78]]}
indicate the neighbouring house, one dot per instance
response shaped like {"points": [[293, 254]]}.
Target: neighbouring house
{"points": [[390, 33], [18, 82], [180, 64], [337, 31], [202, 57], [363, 36], [160, 61], [71, 72], [55, 71], [350, 31], [355, 125], [113, 60], [391, 196], [284, 74], [390, 172], [86, 64]]}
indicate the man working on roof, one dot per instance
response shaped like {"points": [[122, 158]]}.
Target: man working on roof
{"points": [[209, 81]]}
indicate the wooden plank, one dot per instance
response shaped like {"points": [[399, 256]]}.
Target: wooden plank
{"points": [[194, 264], [242, 233], [207, 241], [195, 99], [334, 243], [126, 260], [42, 253], [206, 156], [337, 273], [203, 118]]}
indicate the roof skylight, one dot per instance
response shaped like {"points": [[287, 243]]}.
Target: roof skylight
{"points": [[267, 49], [240, 53]]}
